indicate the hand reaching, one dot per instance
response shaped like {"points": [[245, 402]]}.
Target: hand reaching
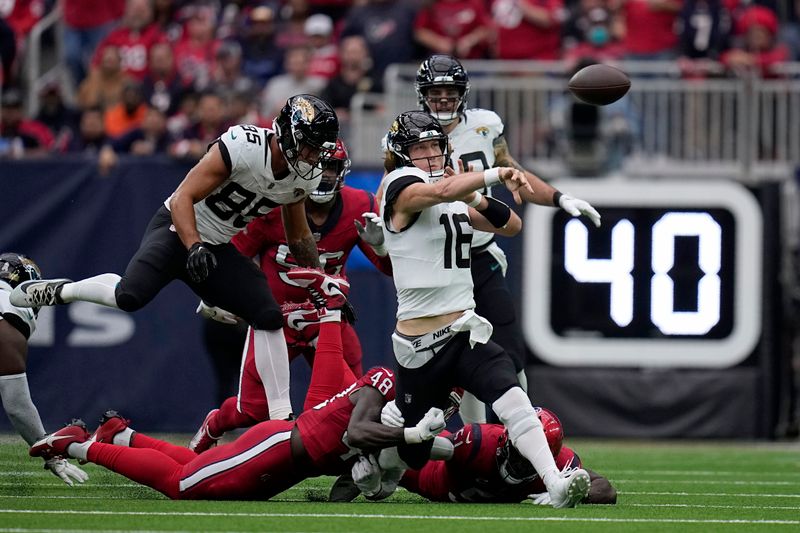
{"points": [[515, 181], [65, 471]]}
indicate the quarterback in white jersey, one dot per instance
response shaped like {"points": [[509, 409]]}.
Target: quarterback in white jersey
{"points": [[17, 324], [439, 341], [246, 173], [477, 143]]}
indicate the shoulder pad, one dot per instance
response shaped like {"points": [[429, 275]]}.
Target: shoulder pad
{"points": [[484, 117]]}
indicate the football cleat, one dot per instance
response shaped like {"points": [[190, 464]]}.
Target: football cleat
{"points": [[111, 423], [203, 440], [326, 291], [572, 488], [344, 489], [38, 293], [55, 444]]}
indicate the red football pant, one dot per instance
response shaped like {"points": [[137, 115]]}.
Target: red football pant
{"points": [[258, 465], [329, 375]]}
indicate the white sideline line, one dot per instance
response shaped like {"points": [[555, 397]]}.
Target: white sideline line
{"points": [[702, 482], [695, 506], [412, 517], [694, 473], [736, 494]]}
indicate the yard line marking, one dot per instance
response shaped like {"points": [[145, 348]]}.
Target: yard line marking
{"points": [[737, 494], [415, 517], [698, 473], [696, 506], [89, 485], [49, 497], [709, 482]]}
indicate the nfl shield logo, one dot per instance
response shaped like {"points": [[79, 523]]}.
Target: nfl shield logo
{"points": [[407, 398]]}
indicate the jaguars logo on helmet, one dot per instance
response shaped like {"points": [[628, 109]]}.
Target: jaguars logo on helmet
{"points": [[16, 268], [441, 70], [306, 121], [410, 128]]}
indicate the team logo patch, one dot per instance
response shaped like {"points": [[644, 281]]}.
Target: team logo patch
{"points": [[483, 131], [305, 109]]}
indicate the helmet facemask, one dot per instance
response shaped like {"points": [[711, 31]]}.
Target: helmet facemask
{"points": [[307, 129], [432, 160], [334, 169], [513, 467], [450, 97], [414, 128], [446, 74]]}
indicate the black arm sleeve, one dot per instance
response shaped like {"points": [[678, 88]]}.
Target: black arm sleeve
{"points": [[497, 213], [392, 193]]}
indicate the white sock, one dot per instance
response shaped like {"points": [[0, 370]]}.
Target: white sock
{"points": [[79, 450], [272, 364], [99, 289], [525, 430], [522, 377], [123, 438], [472, 410]]}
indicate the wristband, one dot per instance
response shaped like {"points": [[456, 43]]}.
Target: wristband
{"points": [[476, 201], [496, 212], [557, 198], [412, 435], [491, 176]]}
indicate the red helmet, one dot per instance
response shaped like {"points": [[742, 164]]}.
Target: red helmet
{"points": [[513, 467], [552, 429], [334, 169]]}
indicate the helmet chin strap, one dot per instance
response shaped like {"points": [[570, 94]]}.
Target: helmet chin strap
{"points": [[446, 119], [322, 198]]}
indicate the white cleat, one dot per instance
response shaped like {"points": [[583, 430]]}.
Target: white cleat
{"points": [[38, 293], [572, 489]]}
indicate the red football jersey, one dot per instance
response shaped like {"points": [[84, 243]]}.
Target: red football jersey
{"points": [[336, 238], [472, 474], [134, 48], [323, 428]]}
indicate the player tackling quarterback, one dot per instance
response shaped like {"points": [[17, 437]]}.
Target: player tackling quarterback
{"points": [[246, 173]]}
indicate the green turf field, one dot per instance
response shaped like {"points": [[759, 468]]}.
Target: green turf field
{"points": [[697, 487]]}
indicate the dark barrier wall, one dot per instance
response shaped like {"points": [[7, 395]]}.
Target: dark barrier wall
{"points": [[152, 365]]}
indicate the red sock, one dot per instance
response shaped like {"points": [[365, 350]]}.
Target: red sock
{"points": [[178, 453], [229, 418], [330, 371], [142, 465]]}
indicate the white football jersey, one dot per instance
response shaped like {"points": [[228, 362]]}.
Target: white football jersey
{"points": [[430, 258], [251, 190], [472, 142], [27, 314]]}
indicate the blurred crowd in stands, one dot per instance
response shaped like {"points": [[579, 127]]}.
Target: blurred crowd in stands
{"points": [[168, 76]]}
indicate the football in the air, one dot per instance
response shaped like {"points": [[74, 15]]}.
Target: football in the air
{"points": [[599, 84]]}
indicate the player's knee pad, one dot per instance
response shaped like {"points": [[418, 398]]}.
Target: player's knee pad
{"points": [[516, 413], [269, 319]]}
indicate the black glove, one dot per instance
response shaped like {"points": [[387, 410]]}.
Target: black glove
{"points": [[201, 262]]}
